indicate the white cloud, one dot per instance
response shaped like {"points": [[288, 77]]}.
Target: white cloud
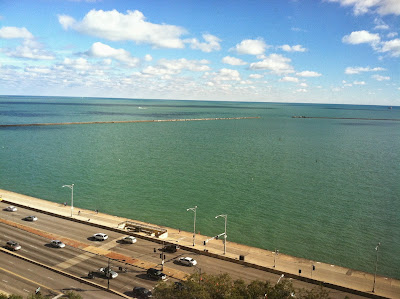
{"points": [[392, 46], [66, 22], [380, 24], [276, 63], [211, 43], [308, 74], [173, 67], [289, 79], [346, 84], [233, 60], [251, 47], [303, 84], [380, 78], [297, 29], [360, 37], [79, 64], [255, 76], [104, 51], [15, 32], [40, 70], [148, 57], [392, 34], [132, 26], [382, 7], [358, 70], [296, 48], [227, 75], [359, 82], [301, 90], [30, 49]]}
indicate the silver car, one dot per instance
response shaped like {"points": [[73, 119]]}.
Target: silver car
{"points": [[12, 245], [129, 240], [108, 273], [31, 218], [100, 236], [11, 209], [57, 244], [187, 261]]}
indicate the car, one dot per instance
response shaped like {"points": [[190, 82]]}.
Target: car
{"points": [[180, 286], [11, 209], [31, 218], [140, 292], [100, 236], [171, 248], [129, 240], [12, 245], [187, 261], [107, 272], [57, 244], [156, 274]]}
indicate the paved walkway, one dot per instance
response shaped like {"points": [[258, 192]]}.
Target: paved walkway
{"points": [[357, 280]]}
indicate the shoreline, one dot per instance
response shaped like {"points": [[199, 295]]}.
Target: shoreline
{"points": [[239, 253]]}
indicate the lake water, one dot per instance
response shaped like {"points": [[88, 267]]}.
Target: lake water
{"points": [[322, 189]]}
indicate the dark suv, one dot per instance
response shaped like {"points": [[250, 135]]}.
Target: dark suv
{"points": [[156, 274], [171, 248], [142, 293]]}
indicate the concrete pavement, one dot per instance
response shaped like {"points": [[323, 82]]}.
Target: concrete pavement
{"points": [[259, 258]]}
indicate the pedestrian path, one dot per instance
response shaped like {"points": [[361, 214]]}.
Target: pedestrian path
{"points": [[332, 274]]}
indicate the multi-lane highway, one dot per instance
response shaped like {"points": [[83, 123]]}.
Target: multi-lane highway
{"points": [[83, 254]]}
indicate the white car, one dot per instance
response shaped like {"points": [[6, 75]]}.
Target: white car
{"points": [[129, 240], [57, 244], [11, 209], [31, 218], [187, 261], [108, 273], [100, 236]]}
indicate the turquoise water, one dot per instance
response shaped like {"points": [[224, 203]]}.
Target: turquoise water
{"points": [[323, 189]]}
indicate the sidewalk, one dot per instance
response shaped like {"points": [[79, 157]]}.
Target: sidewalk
{"points": [[361, 281]]}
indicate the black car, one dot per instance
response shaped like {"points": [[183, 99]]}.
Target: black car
{"points": [[171, 248], [156, 274], [140, 292]]}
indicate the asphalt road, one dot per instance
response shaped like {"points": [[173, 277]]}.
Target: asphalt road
{"points": [[24, 278], [79, 262]]}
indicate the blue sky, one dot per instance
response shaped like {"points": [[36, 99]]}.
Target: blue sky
{"points": [[305, 51]]}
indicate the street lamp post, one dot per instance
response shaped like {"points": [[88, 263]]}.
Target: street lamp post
{"points": [[276, 253], [72, 196], [376, 266], [194, 224], [226, 218]]}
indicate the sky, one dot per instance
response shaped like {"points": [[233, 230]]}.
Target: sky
{"points": [[298, 51]]}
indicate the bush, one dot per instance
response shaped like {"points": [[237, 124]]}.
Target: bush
{"points": [[222, 286]]}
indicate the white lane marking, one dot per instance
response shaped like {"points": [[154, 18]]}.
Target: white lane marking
{"points": [[30, 270], [50, 278], [26, 290], [33, 246], [4, 280]]}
